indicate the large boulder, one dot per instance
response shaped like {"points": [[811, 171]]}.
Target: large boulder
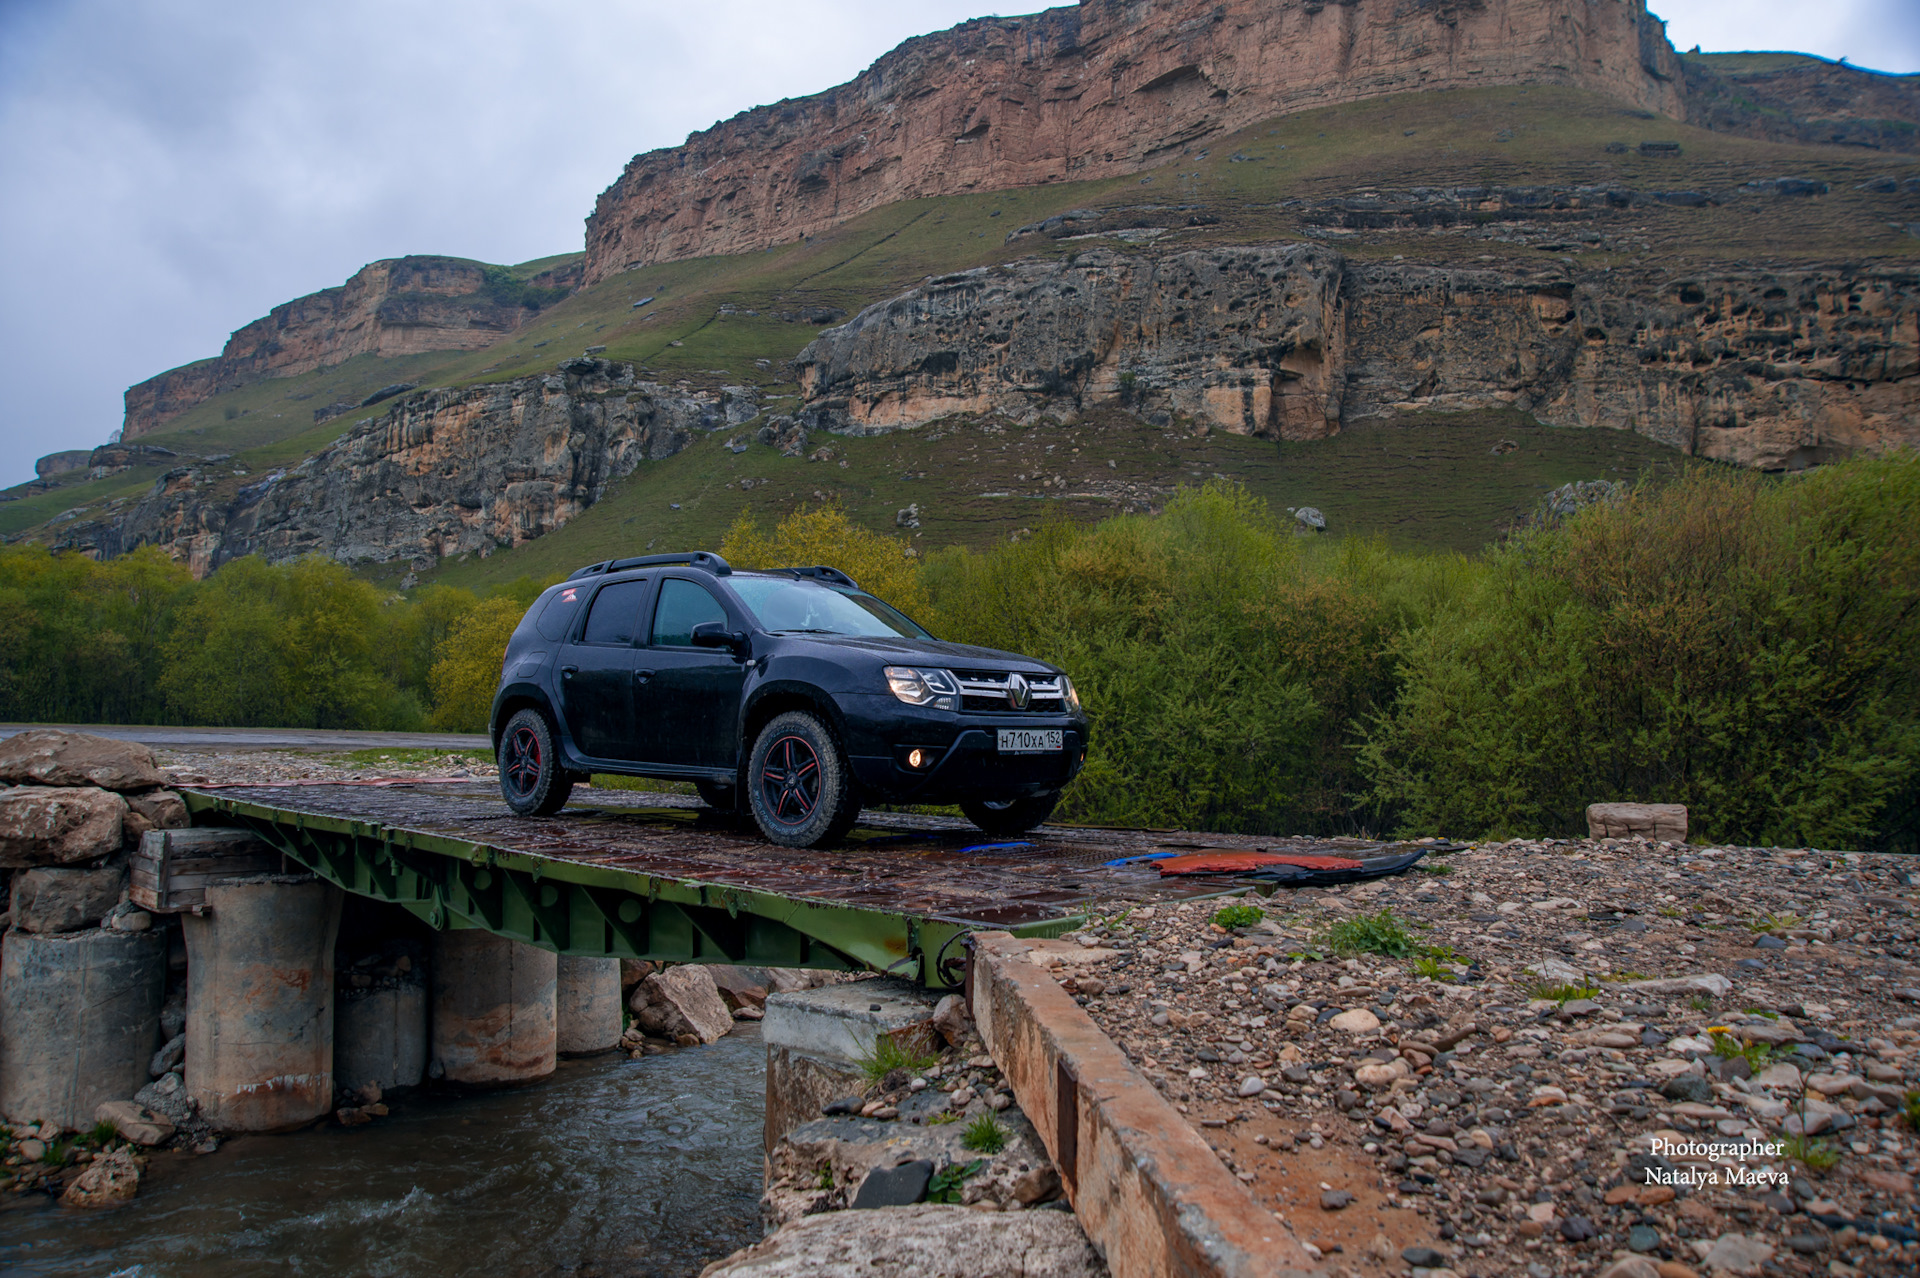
{"points": [[49, 899], [683, 1004], [155, 810], [740, 987], [113, 1178], [48, 756], [58, 826], [928, 1241], [1655, 822]]}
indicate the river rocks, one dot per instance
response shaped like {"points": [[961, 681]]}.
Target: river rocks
{"points": [[1736, 1254], [927, 1241], [1355, 1021], [136, 1123], [681, 1003], [48, 899], [51, 757], [1659, 822], [42, 825], [112, 1178]]}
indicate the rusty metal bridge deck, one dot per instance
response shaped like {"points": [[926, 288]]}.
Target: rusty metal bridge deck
{"points": [[636, 875]]}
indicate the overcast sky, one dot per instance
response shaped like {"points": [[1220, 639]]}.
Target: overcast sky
{"points": [[172, 169]]}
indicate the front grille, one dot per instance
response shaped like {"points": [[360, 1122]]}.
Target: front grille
{"points": [[985, 692]]}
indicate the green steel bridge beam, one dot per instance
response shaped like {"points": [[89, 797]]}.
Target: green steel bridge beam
{"points": [[578, 908]]}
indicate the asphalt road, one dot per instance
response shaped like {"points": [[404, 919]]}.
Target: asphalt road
{"points": [[317, 740]]}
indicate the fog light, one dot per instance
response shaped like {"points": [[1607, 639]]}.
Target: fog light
{"points": [[916, 758]]}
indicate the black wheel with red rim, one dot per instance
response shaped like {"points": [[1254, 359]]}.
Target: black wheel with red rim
{"points": [[798, 786], [531, 779]]}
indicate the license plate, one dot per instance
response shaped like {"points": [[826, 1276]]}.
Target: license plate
{"points": [[1030, 741]]}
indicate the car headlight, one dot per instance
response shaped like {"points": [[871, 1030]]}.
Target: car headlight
{"points": [[919, 687], [1069, 695]]}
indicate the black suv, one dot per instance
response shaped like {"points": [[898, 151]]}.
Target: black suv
{"points": [[794, 689]]}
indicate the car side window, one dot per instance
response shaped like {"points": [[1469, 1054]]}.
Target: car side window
{"points": [[615, 617], [683, 605]]}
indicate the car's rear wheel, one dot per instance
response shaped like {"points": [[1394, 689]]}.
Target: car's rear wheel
{"points": [[721, 798], [1004, 818], [798, 785], [531, 779]]}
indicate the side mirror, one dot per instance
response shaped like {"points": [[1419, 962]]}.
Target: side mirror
{"points": [[712, 634]]}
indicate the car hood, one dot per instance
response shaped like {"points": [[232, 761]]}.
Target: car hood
{"points": [[934, 652]]}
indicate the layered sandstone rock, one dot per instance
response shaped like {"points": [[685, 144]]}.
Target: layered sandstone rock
{"points": [[1101, 88], [443, 473], [1773, 369], [401, 306]]}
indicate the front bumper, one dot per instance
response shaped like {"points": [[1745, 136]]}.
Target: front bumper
{"points": [[972, 766]]}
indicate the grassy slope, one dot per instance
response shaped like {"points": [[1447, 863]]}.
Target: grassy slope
{"points": [[1494, 136]]}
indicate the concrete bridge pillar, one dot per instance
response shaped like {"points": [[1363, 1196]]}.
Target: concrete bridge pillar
{"points": [[381, 1037], [260, 1003], [588, 1006], [79, 1020], [493, 1009]]}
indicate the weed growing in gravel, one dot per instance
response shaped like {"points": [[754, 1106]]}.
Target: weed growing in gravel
{"points": [[1773, 922], [1726, 1046], [1667, 912], [941, 1120], [1910, 1112], [944, 1187], [825, 1179], [888, 1055], [1818, 1155], [1561, 991], [984, 1135], [1628, 975], [1382, 933], [1700, 1003], [1431, 968], [1233, 916]]}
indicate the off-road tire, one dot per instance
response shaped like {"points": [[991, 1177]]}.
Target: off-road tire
{"points": [[799, 788], [531, 779], [1006, 818]]}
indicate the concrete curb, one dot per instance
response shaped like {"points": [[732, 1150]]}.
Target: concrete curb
{"points": [[1147, 1189]]}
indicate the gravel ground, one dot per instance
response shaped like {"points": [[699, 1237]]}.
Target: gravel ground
{"points": [[1532, 1087]]}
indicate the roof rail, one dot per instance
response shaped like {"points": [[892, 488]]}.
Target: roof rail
{"points": [[823, 573], [693, 558]]}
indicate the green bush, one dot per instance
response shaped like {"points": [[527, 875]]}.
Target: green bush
{"points": [[1739, 644]]}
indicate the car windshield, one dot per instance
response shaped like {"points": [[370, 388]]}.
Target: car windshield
{"points": [[790, 605]]}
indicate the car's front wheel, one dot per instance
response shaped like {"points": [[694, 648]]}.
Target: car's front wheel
{"points": [[531, 779], [798, 785], [1004, 818]]}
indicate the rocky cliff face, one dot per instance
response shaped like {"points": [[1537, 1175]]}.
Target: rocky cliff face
{"points": [[443, 473], [1775, 369], [402, 306], [1100, 88]]}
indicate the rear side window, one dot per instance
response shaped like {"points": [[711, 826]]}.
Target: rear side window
{"points": [[616, 613], [558, 609], [683, 605]]}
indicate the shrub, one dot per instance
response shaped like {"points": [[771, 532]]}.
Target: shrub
{"points": [[1232, 916], [1732, 642], [466, 669]]}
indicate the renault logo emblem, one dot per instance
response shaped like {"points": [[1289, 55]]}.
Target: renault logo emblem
{"points": [[1019, 692]]}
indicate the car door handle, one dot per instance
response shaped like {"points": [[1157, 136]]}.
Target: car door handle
{"points": [[641, 676], [568, 672]]}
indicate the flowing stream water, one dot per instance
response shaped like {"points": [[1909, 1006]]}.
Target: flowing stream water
{"points": [[613, 1168]]}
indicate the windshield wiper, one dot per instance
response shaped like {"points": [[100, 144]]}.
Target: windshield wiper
{"points": [[808, 631]]}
